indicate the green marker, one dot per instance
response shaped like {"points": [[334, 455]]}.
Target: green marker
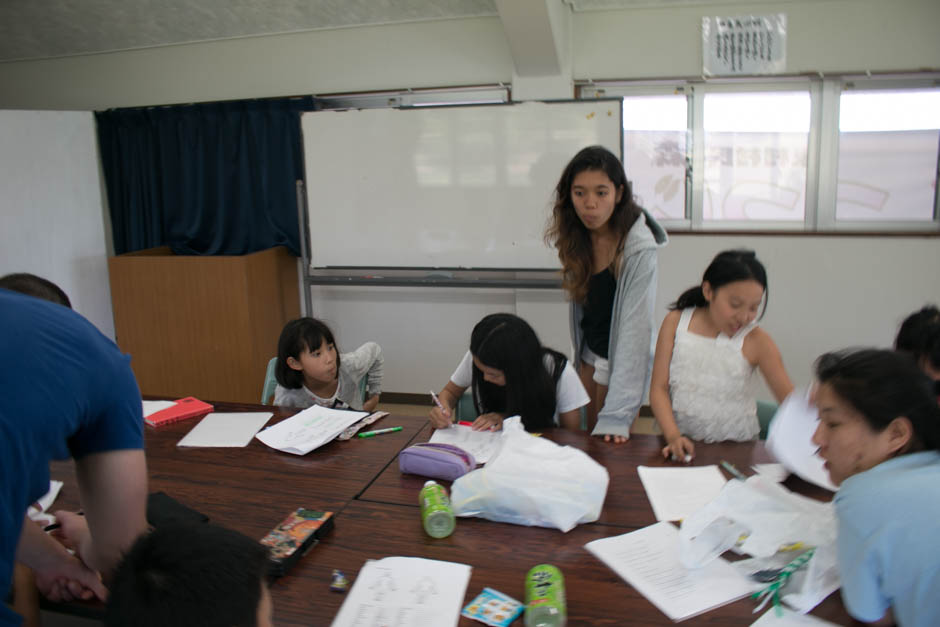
{"points": [[369, 434]]}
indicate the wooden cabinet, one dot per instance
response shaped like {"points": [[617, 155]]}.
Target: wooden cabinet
{"points": [[202, 326]]}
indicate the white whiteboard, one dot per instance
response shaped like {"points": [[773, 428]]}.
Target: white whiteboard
{"points": [[463, 187]]}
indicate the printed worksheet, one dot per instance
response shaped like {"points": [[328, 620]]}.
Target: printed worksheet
{"points": [[648, 559], [405, 591], [677, 493], [481, 444], [309, 429]]}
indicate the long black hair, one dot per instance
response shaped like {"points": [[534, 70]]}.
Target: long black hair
{"points": [[296, 337], [919, 336], [506, 342], [727, 267], [883, 385]]}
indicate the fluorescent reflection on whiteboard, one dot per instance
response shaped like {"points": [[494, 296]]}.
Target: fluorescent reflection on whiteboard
{"points": [[761, 112], [914, 110], [655, 113]]}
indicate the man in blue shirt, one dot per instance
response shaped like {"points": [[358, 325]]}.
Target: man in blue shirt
{"points": [[66, 390]]}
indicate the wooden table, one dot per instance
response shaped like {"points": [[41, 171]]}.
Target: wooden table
{"points": [[377, 516]]}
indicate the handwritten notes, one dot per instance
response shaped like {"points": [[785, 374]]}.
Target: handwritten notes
{"points": [[311, 428], [405, 591], [226, 429], [481, 444], [648, 559], [677, 493]]}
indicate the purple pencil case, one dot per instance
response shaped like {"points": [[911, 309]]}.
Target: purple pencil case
{"points": [[438, 461]]}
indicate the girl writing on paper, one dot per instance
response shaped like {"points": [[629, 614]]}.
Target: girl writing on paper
{"points": [[511, 373], [708, 348], [310, 371], [607, 247], [879, 432]]}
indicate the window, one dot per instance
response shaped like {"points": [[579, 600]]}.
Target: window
{"points": [[798, 153], [888, 146]]}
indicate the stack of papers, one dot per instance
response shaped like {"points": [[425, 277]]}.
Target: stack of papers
{"points": [[677, 493], [648, 559], [405, 591], [311, 428]]}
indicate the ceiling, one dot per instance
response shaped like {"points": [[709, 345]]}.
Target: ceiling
{"points": [[38, 29]]}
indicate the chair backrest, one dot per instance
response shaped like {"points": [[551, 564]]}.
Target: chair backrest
{"points": [[465, 409], [362, 388], [765, 414], [267, 390]]}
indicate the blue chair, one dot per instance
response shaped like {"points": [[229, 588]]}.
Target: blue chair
{"points": [[765, 415], [267, 390], [465, 409]]}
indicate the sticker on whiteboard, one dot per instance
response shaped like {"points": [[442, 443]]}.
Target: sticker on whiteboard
{"points": [[744, 44]]}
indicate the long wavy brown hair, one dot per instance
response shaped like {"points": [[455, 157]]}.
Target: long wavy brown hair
{"points": [[568, 234]]}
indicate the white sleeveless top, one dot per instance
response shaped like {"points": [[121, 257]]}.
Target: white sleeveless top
{"points": [[711, 385]]}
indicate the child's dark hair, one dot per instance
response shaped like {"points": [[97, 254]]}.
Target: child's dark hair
{"points": [[568, 234], [507, 342], [919, 336], [32, 285], [184, 575], [727, 267], [299, 335], [883, 385]]}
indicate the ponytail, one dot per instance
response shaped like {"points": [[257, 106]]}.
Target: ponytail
{"points": [[692, 297]]}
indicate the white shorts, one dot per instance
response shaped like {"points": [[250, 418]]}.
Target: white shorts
{"points": [[601, 365]]}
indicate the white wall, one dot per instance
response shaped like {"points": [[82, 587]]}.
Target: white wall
{"points": [[53, 224], [826, 293], [824, 35]]}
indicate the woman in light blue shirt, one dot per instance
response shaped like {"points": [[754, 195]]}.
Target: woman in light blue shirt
{"points": [[879, 432]]}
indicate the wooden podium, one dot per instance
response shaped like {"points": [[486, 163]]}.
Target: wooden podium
{"points": [[202, 326]]}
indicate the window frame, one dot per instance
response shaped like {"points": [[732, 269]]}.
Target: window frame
{"points": [[822, 163]]}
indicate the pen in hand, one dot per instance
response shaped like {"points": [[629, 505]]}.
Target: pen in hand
{"points": [[440, 405]]}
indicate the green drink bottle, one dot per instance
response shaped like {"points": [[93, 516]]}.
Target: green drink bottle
{"points": [[436, 514], [545, 597]]}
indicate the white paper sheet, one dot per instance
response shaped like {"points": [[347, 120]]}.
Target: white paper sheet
{"points": [[789, 618], [790, 440], [648, 559], [226, 429], [774, 472], [677, 493], [152, 407], [309, 429], [405, 591], [39, 514], [481, 444]]}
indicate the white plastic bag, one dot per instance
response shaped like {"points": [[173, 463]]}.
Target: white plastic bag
{"points": [[533, 481]]}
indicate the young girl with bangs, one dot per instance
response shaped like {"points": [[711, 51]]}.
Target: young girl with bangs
{"points": [[310, 371], [510, 373], [879, 434], [607, 247], [708, 348]]}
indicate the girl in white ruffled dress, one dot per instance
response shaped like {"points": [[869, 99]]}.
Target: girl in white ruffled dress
{"points": [[708, 348]]}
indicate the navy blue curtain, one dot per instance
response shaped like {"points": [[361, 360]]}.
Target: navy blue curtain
{"points": [[204, 179]]}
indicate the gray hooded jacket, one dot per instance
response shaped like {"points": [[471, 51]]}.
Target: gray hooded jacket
{"points": [[631, 328]]}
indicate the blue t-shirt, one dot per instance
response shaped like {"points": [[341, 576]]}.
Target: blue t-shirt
{"points": [[65, 390], [889, 544]]}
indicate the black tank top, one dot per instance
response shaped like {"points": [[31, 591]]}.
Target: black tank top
{"points": [[598, 311]]}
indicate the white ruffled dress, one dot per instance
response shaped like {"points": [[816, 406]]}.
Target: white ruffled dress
{"points": [[712, 385]]}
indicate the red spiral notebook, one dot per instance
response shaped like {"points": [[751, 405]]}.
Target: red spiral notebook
{"points": [[184, 408]]}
